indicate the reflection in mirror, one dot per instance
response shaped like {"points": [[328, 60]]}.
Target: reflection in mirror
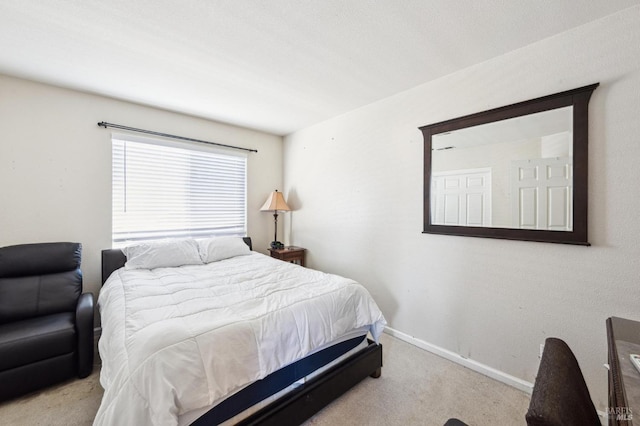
{"points": [[515, 172]]}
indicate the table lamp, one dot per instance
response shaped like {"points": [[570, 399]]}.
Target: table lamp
{"points": [[275, 203]]}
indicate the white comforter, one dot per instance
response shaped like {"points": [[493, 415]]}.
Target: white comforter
{"points": [[178, 339]]}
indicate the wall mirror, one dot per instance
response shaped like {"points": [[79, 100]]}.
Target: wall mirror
{"points": [[515, 172]]}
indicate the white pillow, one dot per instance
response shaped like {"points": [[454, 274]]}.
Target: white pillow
{"points": [[162, 254], [214, 249]]}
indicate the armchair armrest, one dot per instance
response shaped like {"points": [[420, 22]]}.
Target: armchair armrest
{"points": [[84, 328]]}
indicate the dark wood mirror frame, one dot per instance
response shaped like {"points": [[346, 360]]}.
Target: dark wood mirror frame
{"points": [[579, 99]]}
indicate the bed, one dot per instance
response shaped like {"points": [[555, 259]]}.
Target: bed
{"points": [[243, 339]]}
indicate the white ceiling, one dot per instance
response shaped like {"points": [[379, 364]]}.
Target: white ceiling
{"points": [[271, 65]]}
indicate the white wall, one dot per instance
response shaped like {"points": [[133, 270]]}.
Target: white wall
{"points": [[55, 166], [355, 182]]}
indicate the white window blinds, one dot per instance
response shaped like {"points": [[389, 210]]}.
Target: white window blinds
{"points": [[167, 190]]}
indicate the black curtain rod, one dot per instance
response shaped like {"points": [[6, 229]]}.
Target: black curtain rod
{"points": [[166, 135]]}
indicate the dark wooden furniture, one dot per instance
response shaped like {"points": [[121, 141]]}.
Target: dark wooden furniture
{"points": [[294, 407], [289, 254], [623, 337], [579, 100]]}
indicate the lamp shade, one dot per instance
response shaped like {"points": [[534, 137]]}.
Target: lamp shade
{"points": [[275, 202]]}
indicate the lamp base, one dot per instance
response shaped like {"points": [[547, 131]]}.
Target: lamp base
{"points": [[277, 245]]}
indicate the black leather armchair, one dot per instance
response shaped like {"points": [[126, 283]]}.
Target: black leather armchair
{"points": [[46, 324]]}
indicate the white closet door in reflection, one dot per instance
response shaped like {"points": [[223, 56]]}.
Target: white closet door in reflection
{"points": [[544, 190], [461, 197]]}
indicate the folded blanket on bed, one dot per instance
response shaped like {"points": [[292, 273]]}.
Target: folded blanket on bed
{"points": [[178, 339]]}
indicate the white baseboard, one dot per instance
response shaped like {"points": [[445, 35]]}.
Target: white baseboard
{"points": [[498, 375]]}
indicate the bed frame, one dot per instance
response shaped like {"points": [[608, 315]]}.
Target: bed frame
{"points": [[303, 402]]}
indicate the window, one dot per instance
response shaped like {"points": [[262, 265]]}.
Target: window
{"points": [[168, 190]]}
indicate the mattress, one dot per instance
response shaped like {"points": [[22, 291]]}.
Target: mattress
{"points": [[261, 393], [179, 340]]}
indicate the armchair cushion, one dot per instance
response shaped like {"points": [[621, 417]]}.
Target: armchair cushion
{"points": [[39, 259], [35, 339], [39, 279]]}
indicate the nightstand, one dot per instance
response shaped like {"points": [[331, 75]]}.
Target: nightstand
{"points": [[289, 254]]}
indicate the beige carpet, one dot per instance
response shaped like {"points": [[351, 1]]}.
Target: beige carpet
{"points": [[416, 388]]}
